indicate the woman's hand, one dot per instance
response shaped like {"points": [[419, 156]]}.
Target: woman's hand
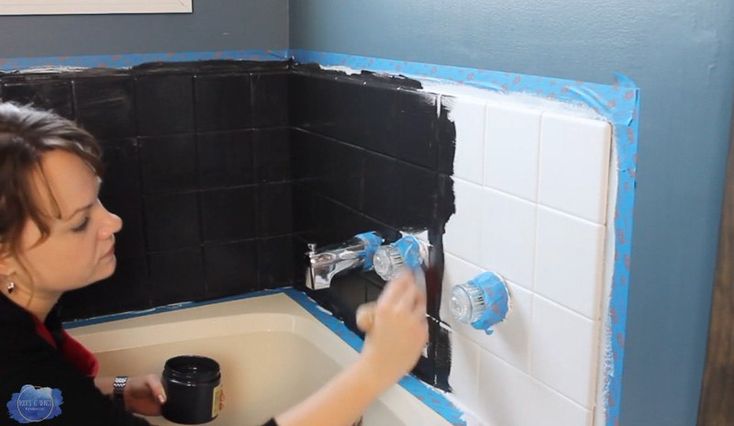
{"points": [[398, 332], [145, 395]]}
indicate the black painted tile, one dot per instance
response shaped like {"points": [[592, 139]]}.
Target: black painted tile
{"points": [[171, 221], [337, 223], [226, 159], [222, 102], [374, 289], [228, 214], [418, 188], [272, 154], [168, 163], [317, 104], [417, 139], [127, 289], [297, 100], [51, 94], [445, 202], [307, 151], [277, 261], [105, 106], [176, 276], [446, 131], [350, 291], [275, 209], [300, 248], [381, 188], [302, 90], [376, 120], [120, 193], [231, 268], [270, 100], [165, 104], [365, 223], [304, 212], [342, 173]]}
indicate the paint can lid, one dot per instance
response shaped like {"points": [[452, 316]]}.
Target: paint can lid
{"points": [[192, 369]]}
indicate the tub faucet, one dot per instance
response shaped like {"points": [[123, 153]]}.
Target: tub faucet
{"points": [[325, 263]]}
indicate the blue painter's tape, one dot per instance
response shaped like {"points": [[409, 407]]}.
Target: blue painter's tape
{"points": [[130, 60], [496, 297], [373, 241], [410, 249]]}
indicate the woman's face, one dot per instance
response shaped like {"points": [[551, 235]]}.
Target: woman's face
{"points": [[80, 247]]}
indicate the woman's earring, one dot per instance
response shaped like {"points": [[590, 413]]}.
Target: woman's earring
{"points": [[11, 286]]}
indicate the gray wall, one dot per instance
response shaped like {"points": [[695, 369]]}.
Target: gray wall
{"points": [[214, 25], [681, 54]]}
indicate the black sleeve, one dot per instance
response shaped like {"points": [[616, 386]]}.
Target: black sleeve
{"points": [[81, 402]]}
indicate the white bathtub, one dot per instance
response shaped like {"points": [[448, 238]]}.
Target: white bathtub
{"points": [[274, 350]]}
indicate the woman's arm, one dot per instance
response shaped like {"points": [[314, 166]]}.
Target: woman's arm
{"points": [[391, 349]]}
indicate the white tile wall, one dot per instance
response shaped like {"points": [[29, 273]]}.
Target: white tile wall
{"points": [[511, 150], [574, 165], [568, 269], [507, 236], [512, 398], [465, 364], [564, 350], [531, 198], [461, 237]]}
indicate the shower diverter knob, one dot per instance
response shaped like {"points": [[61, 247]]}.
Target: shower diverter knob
{"points": [[481, 302]]}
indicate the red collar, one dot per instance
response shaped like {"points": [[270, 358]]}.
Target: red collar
{"points": [[73, 351]]}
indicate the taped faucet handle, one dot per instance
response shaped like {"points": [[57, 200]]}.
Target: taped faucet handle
{"points": [[366, 316]]}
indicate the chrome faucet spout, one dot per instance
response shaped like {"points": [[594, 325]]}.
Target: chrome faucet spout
{"points": [[324, 264]]}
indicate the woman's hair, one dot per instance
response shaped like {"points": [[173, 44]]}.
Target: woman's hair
{"points": [[25, 135]]}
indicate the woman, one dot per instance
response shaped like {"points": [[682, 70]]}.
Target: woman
{"points": [[56, 236]]}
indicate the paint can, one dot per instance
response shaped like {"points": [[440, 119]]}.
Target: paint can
{"points": [[193, 389]]}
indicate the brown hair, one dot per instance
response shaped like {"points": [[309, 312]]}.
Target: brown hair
{"points": [[25, 135]]}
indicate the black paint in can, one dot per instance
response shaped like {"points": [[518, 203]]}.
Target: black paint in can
{"points": [[193, 389]]}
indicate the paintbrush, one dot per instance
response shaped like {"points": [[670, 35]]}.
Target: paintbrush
{"points": [[365, 314]]}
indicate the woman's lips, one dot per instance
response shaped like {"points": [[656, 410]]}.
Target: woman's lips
{"points": [[109, 252]]}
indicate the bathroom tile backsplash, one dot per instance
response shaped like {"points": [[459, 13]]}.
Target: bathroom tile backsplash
{"points": [[366, 151], [223, 171], [531, 183]]}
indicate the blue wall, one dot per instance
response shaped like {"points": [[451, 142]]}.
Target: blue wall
{"points": [[681, 54], [214, 25]]}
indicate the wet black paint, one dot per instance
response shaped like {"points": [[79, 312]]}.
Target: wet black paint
{"points": [[223, 170], [380, 156]]}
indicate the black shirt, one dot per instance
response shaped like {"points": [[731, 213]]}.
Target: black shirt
{"points": [[27, 359], [58, 391]]}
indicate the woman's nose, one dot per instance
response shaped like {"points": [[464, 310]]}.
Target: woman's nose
{"points": [[113, 225]]}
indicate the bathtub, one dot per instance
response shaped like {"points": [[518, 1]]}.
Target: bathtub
{"points": [[274, 349]]}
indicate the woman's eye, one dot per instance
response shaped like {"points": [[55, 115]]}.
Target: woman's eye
{"points": [[82, 226]]}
